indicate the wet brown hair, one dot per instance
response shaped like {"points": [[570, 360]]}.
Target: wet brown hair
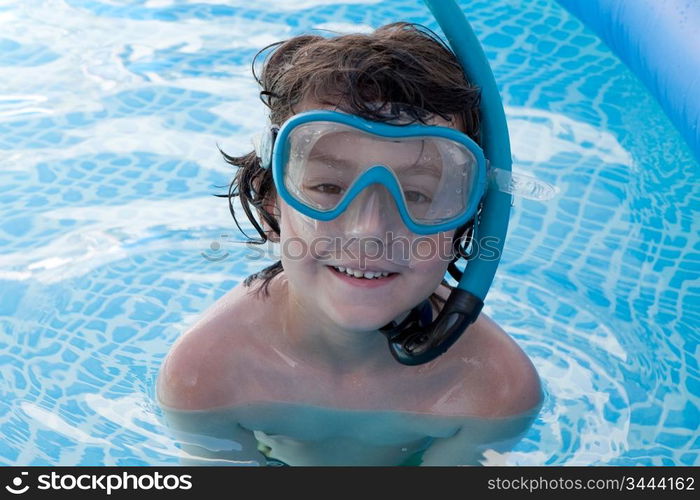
{"points": [[400, 69]]}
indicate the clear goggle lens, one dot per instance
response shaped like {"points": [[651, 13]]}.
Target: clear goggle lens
{"points": [[435, 176]]}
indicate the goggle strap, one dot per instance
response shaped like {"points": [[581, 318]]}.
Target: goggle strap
{"points": [[264, 143], [521, 185]]}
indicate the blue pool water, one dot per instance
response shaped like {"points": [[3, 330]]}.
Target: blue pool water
{"points": [[111, 242]]}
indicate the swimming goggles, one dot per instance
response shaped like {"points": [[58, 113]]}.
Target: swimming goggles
{"points": [[322, 160]]}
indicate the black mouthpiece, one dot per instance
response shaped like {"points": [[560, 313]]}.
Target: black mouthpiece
{"points": [[413, 343]]}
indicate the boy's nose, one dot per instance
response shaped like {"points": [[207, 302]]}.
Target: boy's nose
{"points": [[372, 213]]}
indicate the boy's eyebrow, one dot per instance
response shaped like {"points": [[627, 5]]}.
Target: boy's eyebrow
{"points": [[336, 162], [429, 168], [333, 161]]}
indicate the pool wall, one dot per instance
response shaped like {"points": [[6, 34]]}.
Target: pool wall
{"points": [[658, 40]]}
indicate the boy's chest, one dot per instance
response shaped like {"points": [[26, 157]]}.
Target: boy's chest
{"points": [[265, 378], [307, 417]]}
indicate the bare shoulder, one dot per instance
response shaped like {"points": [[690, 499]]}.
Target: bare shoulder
{"points": [[202, 366], [504, 381]]}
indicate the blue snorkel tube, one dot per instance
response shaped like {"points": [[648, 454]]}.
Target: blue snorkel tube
{"points": [[410, 342]]}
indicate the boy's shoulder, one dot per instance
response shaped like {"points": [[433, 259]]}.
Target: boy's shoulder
{"points": [[500, 379], [208, 361]]}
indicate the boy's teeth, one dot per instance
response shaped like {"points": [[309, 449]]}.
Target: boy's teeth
{"points": [[361, 274]]}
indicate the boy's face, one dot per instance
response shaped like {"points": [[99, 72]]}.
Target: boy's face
{"points": [[370, 237]]}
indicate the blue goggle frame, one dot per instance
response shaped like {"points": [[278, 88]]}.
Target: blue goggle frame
{"points": [[378, 174]]}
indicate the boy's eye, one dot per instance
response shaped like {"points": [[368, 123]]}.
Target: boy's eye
{"points": [[416, 197], [327, 188]]}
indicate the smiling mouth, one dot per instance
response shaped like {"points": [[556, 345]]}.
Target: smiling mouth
{"points": [[363, 275]]}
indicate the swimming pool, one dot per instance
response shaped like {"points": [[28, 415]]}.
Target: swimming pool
{"points": [[111, 243]]}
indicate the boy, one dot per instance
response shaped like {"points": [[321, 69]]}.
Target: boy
{"points": [[291, 365]]}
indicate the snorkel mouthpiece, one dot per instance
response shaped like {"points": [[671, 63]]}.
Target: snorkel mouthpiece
{"points": [[412, 343]]}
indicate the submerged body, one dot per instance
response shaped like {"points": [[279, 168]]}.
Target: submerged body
{"points": [[244, 378], [304, 435]]}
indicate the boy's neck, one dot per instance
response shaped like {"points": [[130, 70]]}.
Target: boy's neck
{"points": [[343, 351]]}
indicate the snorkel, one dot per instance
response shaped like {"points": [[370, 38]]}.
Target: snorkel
{"points": [[411, 342]]}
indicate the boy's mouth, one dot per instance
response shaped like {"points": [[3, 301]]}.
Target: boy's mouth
{"points": [[362, 275]]}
